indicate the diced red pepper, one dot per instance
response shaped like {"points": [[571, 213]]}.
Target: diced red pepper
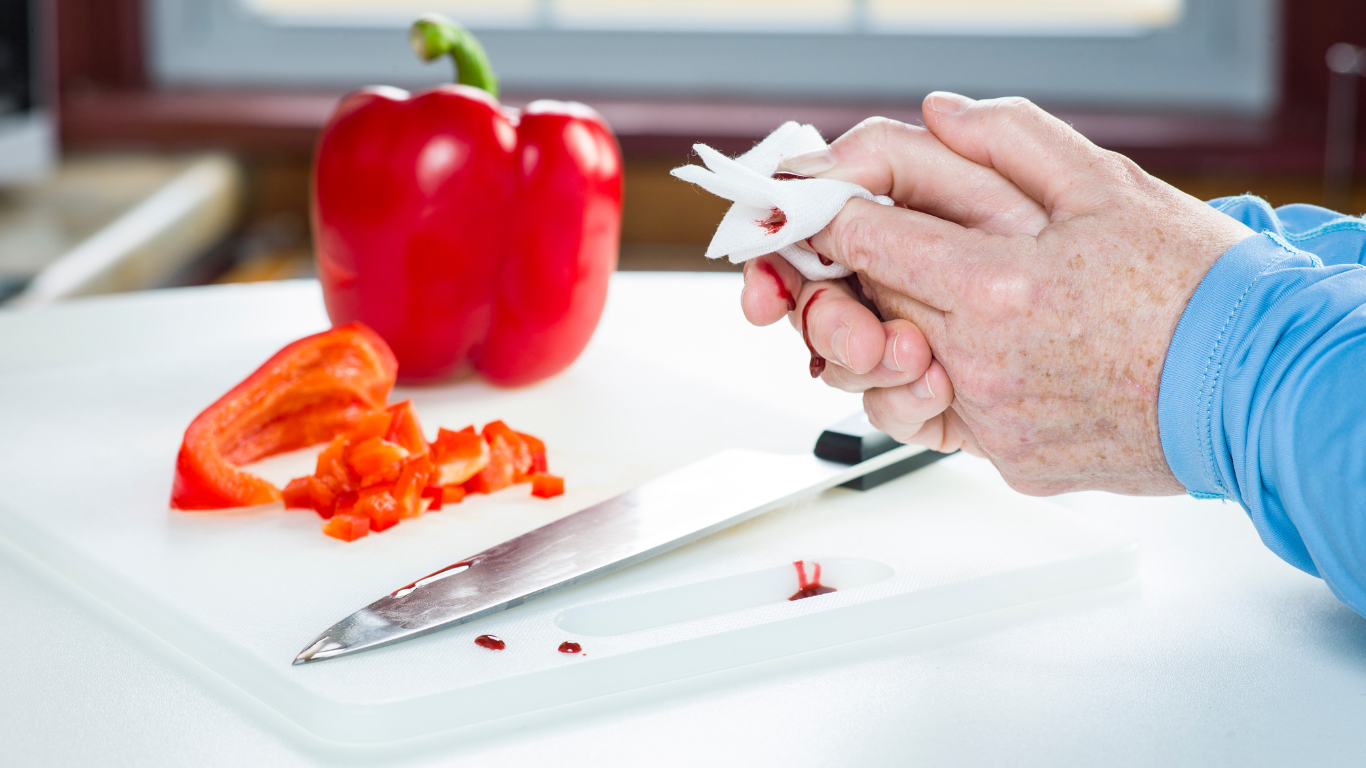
{"points": [[452, 494], [537, 449], [545, 486], [458, 456], [405, 430], [307, 393], [347, 527], [520, 452], [376, 460], [346, 503], [510, 460], [332, 469], [310, 493], [380, 506], [433, 493], [372, 424], [408, 488]]}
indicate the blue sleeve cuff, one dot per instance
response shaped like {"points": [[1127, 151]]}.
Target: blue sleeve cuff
{"points": [[1191, 374]]}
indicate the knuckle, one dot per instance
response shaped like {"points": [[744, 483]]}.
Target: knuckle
{"points": [[1014, 108], [1005, 292], [874, 129], [1124, 171], [854, 238]]}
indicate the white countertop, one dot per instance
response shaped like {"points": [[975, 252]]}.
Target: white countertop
{"points": [[1219, 654]]}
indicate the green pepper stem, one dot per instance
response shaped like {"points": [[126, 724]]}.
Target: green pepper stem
{"points": [[434, 36]]}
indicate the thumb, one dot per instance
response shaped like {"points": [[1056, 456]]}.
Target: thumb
{"points": [[1041, 154]]}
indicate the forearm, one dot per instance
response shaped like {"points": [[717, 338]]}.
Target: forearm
{"points": [[1261, 401]]}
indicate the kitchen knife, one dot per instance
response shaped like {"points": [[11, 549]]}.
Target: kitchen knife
{"points": [[667, 512]]}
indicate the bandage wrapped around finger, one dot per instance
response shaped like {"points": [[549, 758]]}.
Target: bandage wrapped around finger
{"points": [[773, 215]]}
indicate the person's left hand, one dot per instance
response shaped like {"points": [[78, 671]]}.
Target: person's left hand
{"points": [[889, 362], [1055, 342]]}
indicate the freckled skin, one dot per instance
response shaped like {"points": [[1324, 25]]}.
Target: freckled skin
{"points": [[1053, 339], [1056, 360]]}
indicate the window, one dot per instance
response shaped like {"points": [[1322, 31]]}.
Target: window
{"points": [[1185, 54]]}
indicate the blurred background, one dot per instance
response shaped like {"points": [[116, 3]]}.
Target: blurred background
{"points": [[154, 143]]}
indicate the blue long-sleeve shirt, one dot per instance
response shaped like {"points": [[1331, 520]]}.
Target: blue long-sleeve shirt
{"points": [[1263, 394]]}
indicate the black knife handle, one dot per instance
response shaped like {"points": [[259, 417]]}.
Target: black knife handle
{"points": [[854, 440]]}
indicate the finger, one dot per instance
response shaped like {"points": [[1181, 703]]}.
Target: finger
{"points": [[903, 411], [927, 321], [771, 285], [919, 255], [947, 433], [838, 328], [1041, 154], [913, 167], [905, 358]]}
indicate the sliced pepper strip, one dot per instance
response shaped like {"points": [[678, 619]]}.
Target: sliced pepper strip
{"points": [[309, 392]]}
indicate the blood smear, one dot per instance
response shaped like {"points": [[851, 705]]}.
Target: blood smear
{"points": [[811, 587], [776, 220], [817, 362]]}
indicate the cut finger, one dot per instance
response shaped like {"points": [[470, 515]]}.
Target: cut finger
{"points": [[838, 328], [771, 285]]}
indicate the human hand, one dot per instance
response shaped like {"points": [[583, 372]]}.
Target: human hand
{"points": [[1054, 341], [889, 362]]}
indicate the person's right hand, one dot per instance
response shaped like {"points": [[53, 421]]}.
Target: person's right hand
{"points": [[889, 362]]}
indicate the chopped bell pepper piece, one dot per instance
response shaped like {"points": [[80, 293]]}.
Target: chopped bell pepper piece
{"points": [[347, 527], [310, 493], [307, 393], [380, 506], [409, 487], [376, 460], [458, 456], [545, 486], [520, 452], [405, 430], [372, 424], [537, 449], [332, 469], [433, 494], [510, 460], [452, 494]]}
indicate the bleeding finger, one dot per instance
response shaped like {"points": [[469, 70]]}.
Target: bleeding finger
{"points": [[837, 327], [770, 287]]}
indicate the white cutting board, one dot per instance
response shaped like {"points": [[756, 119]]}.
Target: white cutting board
{"points": [[95, 396]]}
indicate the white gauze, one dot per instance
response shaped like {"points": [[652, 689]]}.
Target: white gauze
{"points": [[751, 227]]}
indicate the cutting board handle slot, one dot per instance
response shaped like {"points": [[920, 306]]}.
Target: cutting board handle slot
{"points": [[705, 599]]}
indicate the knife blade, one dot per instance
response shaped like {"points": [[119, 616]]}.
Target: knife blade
{"points": [[682, 506]]}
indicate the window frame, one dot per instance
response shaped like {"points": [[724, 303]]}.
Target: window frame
{"points": [[1222, 56]]}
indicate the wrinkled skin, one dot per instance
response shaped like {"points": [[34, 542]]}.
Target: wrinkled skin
{"points": [[1032, 284]]}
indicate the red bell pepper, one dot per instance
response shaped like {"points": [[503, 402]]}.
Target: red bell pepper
{"points": [[464, 232], [347, 527], [308, 392], [405, 430], [546, 486]]}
